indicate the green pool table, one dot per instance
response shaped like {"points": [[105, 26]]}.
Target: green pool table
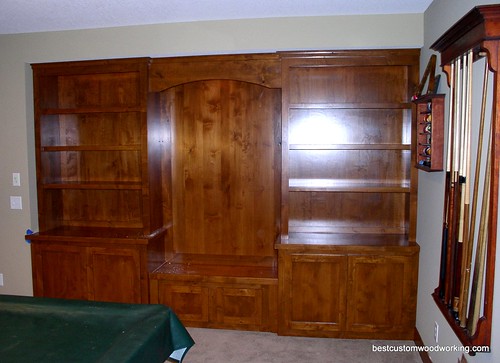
{"points": [[57, 330]]}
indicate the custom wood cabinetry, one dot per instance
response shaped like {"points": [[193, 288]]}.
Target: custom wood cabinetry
{"points": [[98, 157], [346, 290], [270, 192], [347, 253], [224, 114], [99, 269]]}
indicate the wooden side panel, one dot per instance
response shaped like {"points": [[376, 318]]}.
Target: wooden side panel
{"points": [[59, 271], [224, 197]]}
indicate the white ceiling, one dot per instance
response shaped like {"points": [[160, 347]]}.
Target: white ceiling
{"points": [[27, 16]]}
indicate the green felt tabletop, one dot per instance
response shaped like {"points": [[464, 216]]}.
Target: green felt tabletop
{"points": [[57, 330]]}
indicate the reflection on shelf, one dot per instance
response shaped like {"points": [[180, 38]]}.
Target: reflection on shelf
{"points": [[354, 185]]}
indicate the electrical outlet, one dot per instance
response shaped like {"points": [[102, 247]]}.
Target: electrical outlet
{"points": [[1, 279], [436, 331], [16, 202]]}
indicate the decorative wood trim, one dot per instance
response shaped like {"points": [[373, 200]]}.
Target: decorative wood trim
{"points": [[261, 69]]}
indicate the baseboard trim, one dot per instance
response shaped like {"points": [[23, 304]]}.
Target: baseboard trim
{"points": [[420, 343]]}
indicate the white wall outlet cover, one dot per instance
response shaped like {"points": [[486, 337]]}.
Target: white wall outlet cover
{"points": [[16, 202]]}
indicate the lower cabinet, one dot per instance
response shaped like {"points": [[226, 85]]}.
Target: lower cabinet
{"points": [[87, 272], [348, 294], [218, 302]]}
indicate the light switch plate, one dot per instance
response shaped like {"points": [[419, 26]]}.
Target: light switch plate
{"points": [[16, 179]]}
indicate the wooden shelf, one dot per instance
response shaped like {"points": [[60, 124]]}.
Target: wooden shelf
{"points": [[92, 148], [347, 240], [90, 110], [220, 265], [93, 185], [113, 235], [358, 186], [356, 106], [349, 147]]}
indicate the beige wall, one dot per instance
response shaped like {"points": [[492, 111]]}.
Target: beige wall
{"points": [[439, 17]]}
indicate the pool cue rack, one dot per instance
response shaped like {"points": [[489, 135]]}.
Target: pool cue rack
{"points": [[430, 126], [477, 34]]}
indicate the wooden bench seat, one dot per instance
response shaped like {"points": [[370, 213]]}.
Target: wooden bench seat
{"points": [[214, 291]]}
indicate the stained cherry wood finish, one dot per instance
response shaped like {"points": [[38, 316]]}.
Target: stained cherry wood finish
{"points": [[101, 226], [347, 136], [224, 114], [348, 286], [99, 267], [348, 259], [269, 192], [219, 292], [479, 31]]}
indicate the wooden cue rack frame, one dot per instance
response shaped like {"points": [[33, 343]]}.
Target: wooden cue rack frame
{"points": [[479, 31]]}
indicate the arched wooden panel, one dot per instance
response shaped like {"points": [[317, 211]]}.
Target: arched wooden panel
{"points": [[225, 171]]}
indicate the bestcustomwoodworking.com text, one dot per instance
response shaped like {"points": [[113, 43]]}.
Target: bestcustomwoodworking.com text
{"points": [[430, 348]]}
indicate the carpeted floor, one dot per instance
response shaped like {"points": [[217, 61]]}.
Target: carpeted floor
{"points": [[229, 346]]}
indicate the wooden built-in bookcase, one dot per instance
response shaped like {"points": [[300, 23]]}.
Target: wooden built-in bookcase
{"points": [[348, 194], [99, 187], [271, 192]]}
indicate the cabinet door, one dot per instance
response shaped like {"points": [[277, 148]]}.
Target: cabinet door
{"points": [[116, 275], [313, 294], [381, 295], [59, 271]]}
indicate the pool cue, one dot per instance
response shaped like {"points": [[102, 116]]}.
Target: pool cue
{"points": [[464, 230], [452, 193], [462, 180], [467, 260], [480, 258], [444, 239]]}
